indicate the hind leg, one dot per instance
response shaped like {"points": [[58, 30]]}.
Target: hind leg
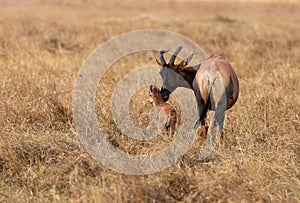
{"points": [[204, 128], [172, 127]]}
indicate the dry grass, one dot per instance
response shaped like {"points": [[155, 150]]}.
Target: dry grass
{"points": [[42, 47]]}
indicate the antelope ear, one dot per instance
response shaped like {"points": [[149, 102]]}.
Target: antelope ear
{"points": [[186, 61], [182, 64], [196, 67], [158, 62]]}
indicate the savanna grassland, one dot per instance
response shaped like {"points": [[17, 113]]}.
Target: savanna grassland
{"points": [[44, 43]]}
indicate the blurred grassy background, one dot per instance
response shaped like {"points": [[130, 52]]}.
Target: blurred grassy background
{"points": [[42, 47]]}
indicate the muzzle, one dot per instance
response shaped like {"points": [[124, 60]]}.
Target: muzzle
{"points": [[165, 94]]}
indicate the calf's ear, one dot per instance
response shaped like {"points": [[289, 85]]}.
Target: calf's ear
{"points": [[151, 89]]}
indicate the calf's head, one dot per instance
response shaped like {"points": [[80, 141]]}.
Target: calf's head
{"points": [[154, 93]]}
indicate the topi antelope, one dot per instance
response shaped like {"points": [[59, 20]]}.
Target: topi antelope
{"points": [[214, 83], [164, 113]]}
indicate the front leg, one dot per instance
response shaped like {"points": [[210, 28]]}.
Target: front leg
{"points": [[167, 126]]}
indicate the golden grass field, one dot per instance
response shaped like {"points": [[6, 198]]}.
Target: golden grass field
{"points": [[44, 43]]}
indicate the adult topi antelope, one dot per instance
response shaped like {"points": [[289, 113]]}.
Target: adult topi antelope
{"points": [[214, 83]]}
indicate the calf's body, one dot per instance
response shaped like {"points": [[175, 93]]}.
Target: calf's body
{"points": [[164, 113]]}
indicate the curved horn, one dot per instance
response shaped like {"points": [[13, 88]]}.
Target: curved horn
{"points": [[162, 59], [172, 59], [188, 60]]}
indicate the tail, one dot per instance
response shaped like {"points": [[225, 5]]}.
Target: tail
{"points": [[204, 109]]}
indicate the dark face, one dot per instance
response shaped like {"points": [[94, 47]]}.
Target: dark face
{"points": [[172, 79], [169, 78], [165, 94], [171, 73]]}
